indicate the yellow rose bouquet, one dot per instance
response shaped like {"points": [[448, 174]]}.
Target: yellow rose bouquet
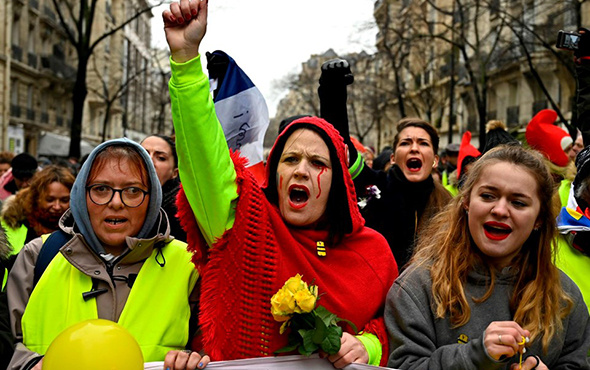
{"points": [[313, 327]]}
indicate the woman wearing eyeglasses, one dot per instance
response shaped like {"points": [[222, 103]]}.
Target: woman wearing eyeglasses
{"points": [[120, 263]]}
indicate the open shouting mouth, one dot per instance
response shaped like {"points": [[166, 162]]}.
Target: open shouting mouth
{"points": [[496, 230], [414, 164], [298, 196]]}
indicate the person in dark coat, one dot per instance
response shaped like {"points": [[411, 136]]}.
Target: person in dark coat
{"points": [[399, 202]]}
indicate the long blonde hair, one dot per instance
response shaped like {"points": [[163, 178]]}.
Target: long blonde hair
{"points": [[449, 252]]}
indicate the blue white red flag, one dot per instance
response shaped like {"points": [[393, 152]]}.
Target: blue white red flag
{"points": [[243, 114]]}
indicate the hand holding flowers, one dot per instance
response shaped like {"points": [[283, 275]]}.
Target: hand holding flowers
{"points": [[312, 328]]}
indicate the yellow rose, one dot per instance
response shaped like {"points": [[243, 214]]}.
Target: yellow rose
{"points": [[305, 300], [283, 302], [295, 284], [278, 315]]}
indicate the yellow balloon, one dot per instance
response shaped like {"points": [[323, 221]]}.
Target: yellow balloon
{"points": [[94, 345]]}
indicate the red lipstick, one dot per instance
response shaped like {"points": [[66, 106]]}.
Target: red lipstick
{"points": [[496, 230]]}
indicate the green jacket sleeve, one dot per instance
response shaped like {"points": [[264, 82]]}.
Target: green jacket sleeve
{"points": [[373, 346], [206, 170]]}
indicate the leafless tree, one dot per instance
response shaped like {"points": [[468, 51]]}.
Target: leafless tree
{"points": [[77, 19]]}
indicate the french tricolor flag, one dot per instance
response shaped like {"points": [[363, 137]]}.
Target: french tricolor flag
{"points": [[243, 114]]}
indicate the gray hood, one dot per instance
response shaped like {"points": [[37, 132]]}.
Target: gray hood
{"points": [[78, 195]]}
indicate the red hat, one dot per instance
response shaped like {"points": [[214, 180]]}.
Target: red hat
{"points": [[466, 150], [550, 140]]}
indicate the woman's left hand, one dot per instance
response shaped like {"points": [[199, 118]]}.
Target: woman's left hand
{"points": [[351, 350], [181, 360]]}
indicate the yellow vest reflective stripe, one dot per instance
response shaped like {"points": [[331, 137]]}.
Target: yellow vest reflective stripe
{"points": [[156, 313]]}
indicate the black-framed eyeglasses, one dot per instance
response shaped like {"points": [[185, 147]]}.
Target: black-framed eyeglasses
{"points": [[101, 194]]}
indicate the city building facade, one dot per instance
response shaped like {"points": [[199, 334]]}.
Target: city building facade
{"points": [[456, 64], [38, 67]]}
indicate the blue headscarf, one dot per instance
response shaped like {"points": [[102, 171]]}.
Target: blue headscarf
{"points": [[78, 205]]}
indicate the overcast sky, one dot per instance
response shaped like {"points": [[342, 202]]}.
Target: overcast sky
{"points": [[269, 39]]}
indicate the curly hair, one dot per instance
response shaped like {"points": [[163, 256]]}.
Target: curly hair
{"points": [[448, 251], [6, 157], [28, 199]]}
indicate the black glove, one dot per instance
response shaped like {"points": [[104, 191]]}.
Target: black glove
{"points": [[583, 49], [217, 63], [336, 71], [336, 75]]}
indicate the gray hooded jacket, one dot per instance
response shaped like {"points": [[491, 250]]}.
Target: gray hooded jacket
{"points": [[86, 252]]}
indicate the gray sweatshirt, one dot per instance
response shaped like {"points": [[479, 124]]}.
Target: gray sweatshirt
{"points": [[418, 340]]}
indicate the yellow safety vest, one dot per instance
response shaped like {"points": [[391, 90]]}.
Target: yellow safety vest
{"points": [[16, 238], [156, 313], [574, 264]]}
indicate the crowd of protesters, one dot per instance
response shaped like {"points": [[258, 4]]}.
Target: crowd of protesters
{"points": [[460, 258]]}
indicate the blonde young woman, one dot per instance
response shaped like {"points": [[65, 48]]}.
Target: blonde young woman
{"points": [[482, 287]]}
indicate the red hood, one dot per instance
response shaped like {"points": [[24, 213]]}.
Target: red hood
{"points": [[336, 145]]}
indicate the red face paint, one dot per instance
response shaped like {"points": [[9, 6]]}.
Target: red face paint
{"points": [[319, 184]]}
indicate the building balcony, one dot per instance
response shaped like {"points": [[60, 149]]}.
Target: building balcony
{"points": [[30, 114], [512, 116], [538, 106], [58, 66], [17, 52], [472, 123], [32, 60], [15, 110], [47, 11]]}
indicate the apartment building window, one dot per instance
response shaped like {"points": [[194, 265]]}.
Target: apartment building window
{"points": [[17, 51], [108, 9], [59, 119], [107, 44], [44, 102], [14, 106], [16, 29], [31, 55], [30, 103], [31, 39]]}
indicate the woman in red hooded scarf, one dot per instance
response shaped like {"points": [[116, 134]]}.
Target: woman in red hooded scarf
{"points": [[248, 240]]}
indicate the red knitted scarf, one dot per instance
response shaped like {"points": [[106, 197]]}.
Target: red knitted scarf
{"points": [[238, 278]]}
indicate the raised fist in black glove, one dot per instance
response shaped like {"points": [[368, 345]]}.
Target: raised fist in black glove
{"points": [[335, 77], [336, 71]]}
